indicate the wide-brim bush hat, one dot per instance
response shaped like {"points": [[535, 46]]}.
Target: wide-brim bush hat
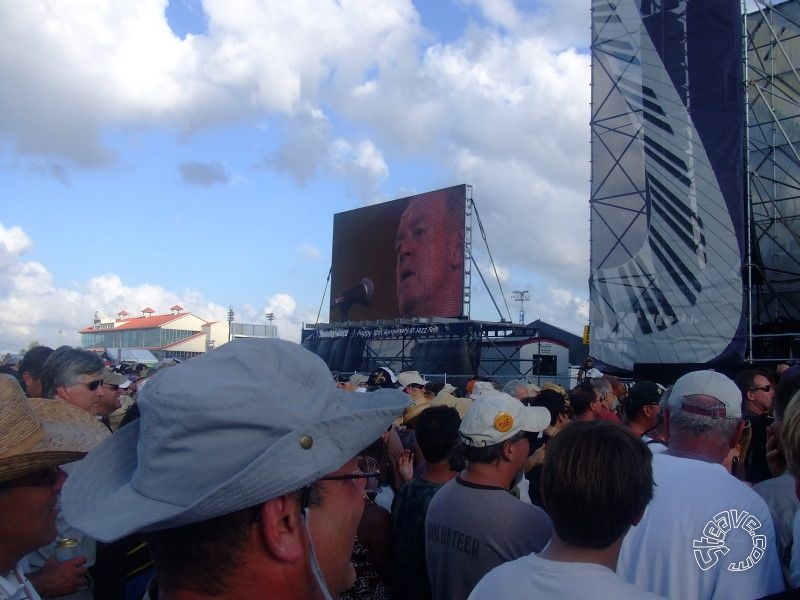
{"points": [[37, 434], [244, 423]]}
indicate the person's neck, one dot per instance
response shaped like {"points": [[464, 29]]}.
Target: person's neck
{"points": [[438, 472], [560, 551], [754, 409], [639, 428], [695, 449], [289, 582], [490, 474]]}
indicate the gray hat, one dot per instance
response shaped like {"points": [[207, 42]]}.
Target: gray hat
{"points": [[247, 422]]}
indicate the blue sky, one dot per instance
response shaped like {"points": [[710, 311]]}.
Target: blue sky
{"points": [[194, 152]]}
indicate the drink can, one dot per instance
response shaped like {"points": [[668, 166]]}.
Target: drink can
{"points": [[66, 549]]}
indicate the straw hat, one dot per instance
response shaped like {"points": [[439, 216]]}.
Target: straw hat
{"points": [[36, 434], [414, 410]]}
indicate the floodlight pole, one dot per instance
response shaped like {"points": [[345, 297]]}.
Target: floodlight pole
{"points": [[231, 314], [521, 296], [270, 317]]}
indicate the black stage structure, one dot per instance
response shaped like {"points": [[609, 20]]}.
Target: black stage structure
{"points": [[451, 351]]}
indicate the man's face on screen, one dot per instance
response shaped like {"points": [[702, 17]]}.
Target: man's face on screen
{"points": [[429, 259]]}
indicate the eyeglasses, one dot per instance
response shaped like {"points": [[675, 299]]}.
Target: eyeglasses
{"points": [[764, 388], [92, 385], [43, 477], [366, 468], [111, 386]]}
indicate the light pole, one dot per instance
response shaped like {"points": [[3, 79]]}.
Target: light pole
{"points": [[270, 317], [521, 296], [231, 314]]}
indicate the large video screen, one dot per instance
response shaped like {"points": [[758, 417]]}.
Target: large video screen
{"points": [[403, 258]]}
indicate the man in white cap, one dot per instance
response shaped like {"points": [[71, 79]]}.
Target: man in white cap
{"points": [[473, 522], [113, 387], [242, 473], [36, 436], [705, 534]]}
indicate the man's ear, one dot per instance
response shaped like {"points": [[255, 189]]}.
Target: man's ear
{"points": [[282, 529], [737, 435], [61, 392]]}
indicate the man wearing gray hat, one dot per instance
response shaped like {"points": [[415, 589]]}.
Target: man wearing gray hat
{"points": [[705, 534], [242, 473], [473, 522]]}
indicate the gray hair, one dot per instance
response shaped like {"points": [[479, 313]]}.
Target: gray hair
{"points": [[515, 385], [602, 386], [65, 366], [700, 425]]}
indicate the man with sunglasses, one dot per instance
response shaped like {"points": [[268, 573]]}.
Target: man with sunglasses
{"points": [[705, 535], [758, 393], [242, 472], [112, 389], [473, 523], [36, 436], [72, 376]]}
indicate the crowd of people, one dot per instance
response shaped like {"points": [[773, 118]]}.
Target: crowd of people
{"points": [[252, 472]]}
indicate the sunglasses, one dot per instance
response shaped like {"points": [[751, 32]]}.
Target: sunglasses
{"points": [[43, 477], [764, 388], [92, 385], [111, 386], [366, 468]]}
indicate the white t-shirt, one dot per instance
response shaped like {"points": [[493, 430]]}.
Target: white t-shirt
{"points": [[697, 517], [782, 502], [794, 565], [14, 585], [535, 577]]}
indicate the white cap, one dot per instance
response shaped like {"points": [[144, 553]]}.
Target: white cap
{"points": [[408, 377], [481, 389], [494, 418], [707, 383]]}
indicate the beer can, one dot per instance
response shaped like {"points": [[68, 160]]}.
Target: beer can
{"points": [[66, 549]]}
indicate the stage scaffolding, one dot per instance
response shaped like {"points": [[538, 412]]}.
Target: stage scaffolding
{"points": [[773, 152]]}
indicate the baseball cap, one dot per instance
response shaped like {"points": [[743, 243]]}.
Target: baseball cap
{"points": [[707, 383], [641, 394], [481, 389], [494, 418], [114, 378], [382, 377]]}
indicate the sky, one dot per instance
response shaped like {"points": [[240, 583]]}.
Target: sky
{"points": [[194, 152]]}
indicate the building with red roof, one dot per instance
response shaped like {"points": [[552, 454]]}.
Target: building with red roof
{"points": [[178, 334]]}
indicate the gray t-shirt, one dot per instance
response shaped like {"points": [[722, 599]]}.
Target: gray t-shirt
{"points": [[470, 529]]}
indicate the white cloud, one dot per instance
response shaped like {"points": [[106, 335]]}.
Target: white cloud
{"points": [[116, 63], [354, 88], [33, 308], [14, 239], [309, 252], [360, 163]]}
